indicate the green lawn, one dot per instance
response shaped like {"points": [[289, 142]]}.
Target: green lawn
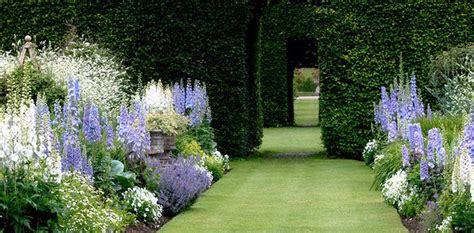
{"points": [[307, 112], [291, 140], [290, 195], [312, 194]]}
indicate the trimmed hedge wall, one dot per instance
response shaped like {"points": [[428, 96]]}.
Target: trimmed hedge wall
{"points": [[359, 50], [168, 40]]}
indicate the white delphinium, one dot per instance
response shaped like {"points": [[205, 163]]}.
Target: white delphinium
{"points": [[445, 225], [223, 158], [396, 189], [143, 203], [157, 98], [100, 76], [462, 172], [7, 63], [17, 136]]}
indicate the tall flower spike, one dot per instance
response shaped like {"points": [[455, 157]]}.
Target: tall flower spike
{"points": [[419, 147], [424, 170], [189, 95], [434, 141], [429, 114], [392, 131], [92, 130], [405, 156]]}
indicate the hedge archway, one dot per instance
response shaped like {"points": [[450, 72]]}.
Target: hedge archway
{"points": [[359, 48]]}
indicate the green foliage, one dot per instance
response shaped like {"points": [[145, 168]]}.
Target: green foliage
{"points": [[211, 46], [451, 127], [203, 135], [27, 80], [359, 48], [168, 122], [122, 179], [450, 75], [387, 165], [462, 210], [26, 200], [303, 80], [216, 167], [413, 206], [84, 209]]}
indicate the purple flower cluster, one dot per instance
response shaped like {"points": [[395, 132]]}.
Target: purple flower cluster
{"points": [[398, 108], [72, 158], [43, 126], [109, 132], [91, 123], [192, 101], [424, 170], [468, 141], [132, 131], [405, 156], [181, 183], [415, 138], [435, 148]]}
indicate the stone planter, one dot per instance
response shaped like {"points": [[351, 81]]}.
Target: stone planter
{"points": [[157, 142], [170, 142]]}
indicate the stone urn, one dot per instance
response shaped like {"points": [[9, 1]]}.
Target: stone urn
{"points": [[157, 142], [161, 145]]}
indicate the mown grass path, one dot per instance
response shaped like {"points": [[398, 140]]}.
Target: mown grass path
{"points": [[309, 194]]}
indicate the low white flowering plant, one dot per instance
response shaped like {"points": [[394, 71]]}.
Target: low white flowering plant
{"points": [[396, 189], [370, 150], [143, 204]]}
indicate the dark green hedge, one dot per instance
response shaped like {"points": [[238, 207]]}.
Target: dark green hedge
{"points": [[168, 40], [359, 48]]}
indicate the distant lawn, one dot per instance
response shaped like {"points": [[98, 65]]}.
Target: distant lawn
{"points": [[292, 140], [290, 195], [305, 93], [307, 112]]}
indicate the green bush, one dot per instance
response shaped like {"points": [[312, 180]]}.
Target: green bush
{"points": [[359, 49], [26, 200], [388, 164], [451, 80], [211, 47], [37, 83]]}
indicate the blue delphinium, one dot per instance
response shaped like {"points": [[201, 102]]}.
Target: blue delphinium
{"points": [[414, 129], [189, 95], [109, 132], [57, 114], [424, 170], [468, 141], [179, 98], [392, 131], [435, 147], [384, 109], [393, 104], [132, 131], [91, 123], [405, 156], [43, 126], [429, 114]]}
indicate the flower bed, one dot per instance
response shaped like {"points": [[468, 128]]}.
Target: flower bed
{"points": [[82, 161], [423, 161]]}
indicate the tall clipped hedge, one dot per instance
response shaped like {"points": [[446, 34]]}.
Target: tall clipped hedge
{"points": [[359, 48], [168, 40]]}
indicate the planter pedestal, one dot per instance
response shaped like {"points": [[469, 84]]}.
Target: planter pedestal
{"points": [[161, 146]]}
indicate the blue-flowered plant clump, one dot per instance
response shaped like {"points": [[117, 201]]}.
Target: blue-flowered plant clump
{"points": [[181, 183], [398, 108], [435, 152], [91, 123], [109, 132], [179, 99], [405, 156], [192, 101], [72, 157], [132, 131], [43, 127]]}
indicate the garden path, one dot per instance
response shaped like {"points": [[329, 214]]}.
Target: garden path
{"points": [[290, 186]]}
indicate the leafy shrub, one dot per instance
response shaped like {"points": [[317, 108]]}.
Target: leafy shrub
{"points": [[143, 204], [181, 183], [84, 209], [452, 79], [388, 165], [462, 212], [204, 135], [26, 200], [214, 166], [39, 83]]}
